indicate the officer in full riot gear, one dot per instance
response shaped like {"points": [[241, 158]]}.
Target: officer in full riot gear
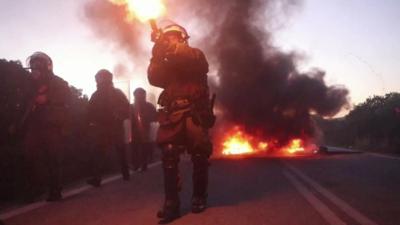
{"points": [[185, 115], [44, 121], [143, 113], [108, 109]]}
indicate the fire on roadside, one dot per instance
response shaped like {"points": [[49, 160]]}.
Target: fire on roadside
{"points": [[237, 143], [295, 146], [144, 10]]}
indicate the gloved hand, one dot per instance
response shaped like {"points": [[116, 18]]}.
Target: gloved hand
{"points": [[159, 49], [179, 54]]}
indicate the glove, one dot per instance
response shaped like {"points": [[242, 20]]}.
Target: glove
{"points": [[159, 49]]}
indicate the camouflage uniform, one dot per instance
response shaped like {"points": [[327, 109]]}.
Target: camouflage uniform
{"points": [[184, 118]]}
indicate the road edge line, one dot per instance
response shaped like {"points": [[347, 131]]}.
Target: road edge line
{"points": [[341, 204], [379, 155], [27, 208], [327, 214]]}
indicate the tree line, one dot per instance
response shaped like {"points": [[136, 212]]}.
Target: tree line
{"points": [[373, 125]]}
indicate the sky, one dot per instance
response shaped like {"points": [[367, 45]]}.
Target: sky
{"points": [[354, 41]]}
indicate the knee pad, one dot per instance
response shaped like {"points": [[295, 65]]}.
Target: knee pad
{"points": [[170, 156], [204, 149], [200, 160]]}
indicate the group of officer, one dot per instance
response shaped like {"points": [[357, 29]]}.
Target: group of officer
{"points": [[185, 116], [108, 110]]}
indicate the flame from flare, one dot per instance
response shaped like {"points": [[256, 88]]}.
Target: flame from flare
{"points": [[143, 10]]}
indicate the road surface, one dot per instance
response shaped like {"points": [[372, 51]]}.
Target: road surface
{"points": [[317, 190]]}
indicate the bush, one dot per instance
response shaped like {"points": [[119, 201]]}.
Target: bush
{"points": [[372, 125]]}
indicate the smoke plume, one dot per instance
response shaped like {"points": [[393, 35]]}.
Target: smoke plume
{"points": [[109, 23], [261, 87], [258, 86]]}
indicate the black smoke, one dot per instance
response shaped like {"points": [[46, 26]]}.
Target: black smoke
{"points": [[258, 86]]}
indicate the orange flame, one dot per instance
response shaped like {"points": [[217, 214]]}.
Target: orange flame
{"points": [[143, 10], [295, 146], [236, 142], [239, 143]]}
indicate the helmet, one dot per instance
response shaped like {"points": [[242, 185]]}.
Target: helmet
{"points": [[175, 28], [41, 61], [139, 91], [104, 76]]}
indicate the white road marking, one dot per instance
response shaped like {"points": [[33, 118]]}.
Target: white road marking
{"points": [[67, 194], [22, 210], [342, 205], [383, 156], [318, 205], [338, 150]]}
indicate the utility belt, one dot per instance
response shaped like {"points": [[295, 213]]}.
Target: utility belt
{"points": [[179, 104], [175, 111], [180, 108]]}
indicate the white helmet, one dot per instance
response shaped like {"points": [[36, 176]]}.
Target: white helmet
{"points": [[175, 28]]}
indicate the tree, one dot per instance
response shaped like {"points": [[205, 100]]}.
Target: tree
{"points": [[373, 124]]}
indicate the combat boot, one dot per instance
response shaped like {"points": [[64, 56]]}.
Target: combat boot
{"points": [[200, 182], [54, 195], [169, 212], [199, 204], [95, 182], [32, 194], [126, 175]]}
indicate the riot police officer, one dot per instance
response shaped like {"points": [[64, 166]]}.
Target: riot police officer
{"points": [[44, 120], [108, 109], [143, 114], [185, 115]]}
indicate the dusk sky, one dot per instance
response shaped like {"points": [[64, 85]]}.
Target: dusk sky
{"points": [[355, 41]]}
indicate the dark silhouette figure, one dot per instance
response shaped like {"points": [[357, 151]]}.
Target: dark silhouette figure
{"points": [[143, 113], [107, 110], [44, 121]]}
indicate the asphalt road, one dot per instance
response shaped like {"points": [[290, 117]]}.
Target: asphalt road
{"points": [[318, 190]]}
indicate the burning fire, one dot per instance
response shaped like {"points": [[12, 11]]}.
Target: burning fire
{"points": [[237, 143], [143, 10], [295, 146]]}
